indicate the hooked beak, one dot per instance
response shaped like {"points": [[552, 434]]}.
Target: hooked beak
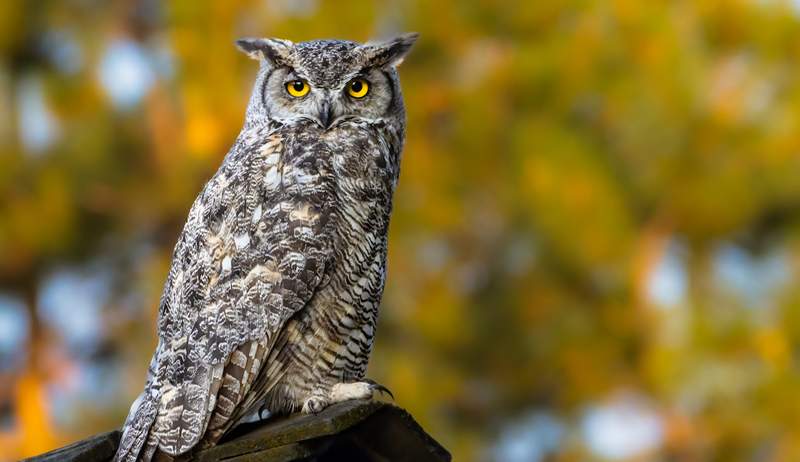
{"points": [[326, 114]]}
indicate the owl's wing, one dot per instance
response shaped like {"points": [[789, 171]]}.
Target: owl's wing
{"points": [[253, 252]]}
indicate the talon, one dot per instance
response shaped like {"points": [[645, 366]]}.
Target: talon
{"points": [[373, 385], [383, 389], [314, 405], [262, 410]]}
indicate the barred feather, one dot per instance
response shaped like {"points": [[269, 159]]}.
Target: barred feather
{"points": [[276, 278]]}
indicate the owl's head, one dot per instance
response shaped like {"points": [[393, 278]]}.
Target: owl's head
{"points": [[326, 81]]}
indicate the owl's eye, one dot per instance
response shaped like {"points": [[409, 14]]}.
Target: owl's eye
{"points": [[297, 88], [357, 88]]}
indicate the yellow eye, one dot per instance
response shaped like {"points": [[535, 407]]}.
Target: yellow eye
{"points": [[357, 88], [297, 88]]}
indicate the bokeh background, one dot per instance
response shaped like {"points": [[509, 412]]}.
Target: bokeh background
{"points": [[596, 238]]}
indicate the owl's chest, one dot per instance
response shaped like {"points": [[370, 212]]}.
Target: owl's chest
{"points": [[336, 329], [350, 173]]}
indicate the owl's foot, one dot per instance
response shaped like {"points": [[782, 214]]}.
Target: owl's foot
{"points": [[343, 392]]}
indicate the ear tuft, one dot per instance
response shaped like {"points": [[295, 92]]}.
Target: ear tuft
{"points": [[250, 47], [390, 53], [270, 49]]}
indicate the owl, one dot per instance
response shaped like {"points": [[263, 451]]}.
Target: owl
{"points": [[272, 296]]}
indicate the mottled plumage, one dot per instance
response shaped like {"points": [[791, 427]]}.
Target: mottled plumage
{"points": [[272, 297]]}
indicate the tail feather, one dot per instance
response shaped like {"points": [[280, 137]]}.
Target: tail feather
{"points": [[137, 430], [136, 433]]}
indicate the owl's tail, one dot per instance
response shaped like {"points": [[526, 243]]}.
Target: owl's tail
{"points": [[136, 444]]}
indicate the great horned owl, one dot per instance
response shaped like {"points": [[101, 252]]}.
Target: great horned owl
{"points": [[272, 297]]}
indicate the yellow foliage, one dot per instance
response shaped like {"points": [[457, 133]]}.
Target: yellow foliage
{"points": [[575, 176], [36, 431], [773, 348]]}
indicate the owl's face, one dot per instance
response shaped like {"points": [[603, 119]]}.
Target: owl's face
{"points": [[327, 81]]}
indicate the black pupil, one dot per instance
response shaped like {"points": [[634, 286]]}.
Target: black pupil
{"points": [[356, 86], [297, 85]]}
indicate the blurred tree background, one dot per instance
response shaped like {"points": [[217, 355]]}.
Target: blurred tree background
{"points": [[595, 239]]}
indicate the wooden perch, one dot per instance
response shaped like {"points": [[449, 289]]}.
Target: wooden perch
{"points": [[359, 430]]}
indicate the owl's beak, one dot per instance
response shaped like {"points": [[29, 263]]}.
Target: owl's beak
{"points": [[326, 114]]}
